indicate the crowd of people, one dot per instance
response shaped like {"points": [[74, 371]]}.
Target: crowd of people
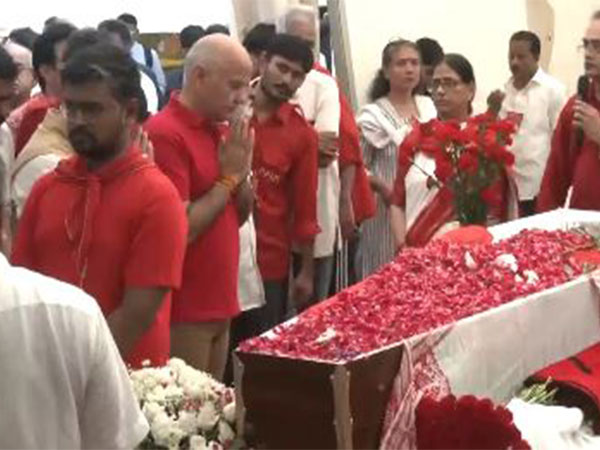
{"points": [[201, 207]]}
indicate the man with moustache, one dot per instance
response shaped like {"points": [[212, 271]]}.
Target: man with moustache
{"points": [[107, 220], [532, 99], [574, 161], [285, 167]]}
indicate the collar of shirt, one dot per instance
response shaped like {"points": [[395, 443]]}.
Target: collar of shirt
{"points": [[538, 78], [189, 117]]}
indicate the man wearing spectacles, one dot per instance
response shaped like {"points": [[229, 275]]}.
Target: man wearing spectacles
{"points": [[574, 162], [533, 100]]}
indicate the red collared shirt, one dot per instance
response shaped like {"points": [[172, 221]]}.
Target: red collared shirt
{"points": [[186, 149], [119, 227], [569, 165], [285, 167]]}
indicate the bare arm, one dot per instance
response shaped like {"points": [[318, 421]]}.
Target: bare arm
{"points": [[244, 201], [347, 219], [398, 225], [135, 316], [302, 288], [204, 211]]}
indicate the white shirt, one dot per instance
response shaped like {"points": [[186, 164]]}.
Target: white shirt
{"points": [[150, 92], [320, 102], [63, 383], [137, 53], [29, 174], [250, 286], [7, 157], [537, 106]]}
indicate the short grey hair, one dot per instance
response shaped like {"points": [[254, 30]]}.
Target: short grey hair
{"points": [[293, 13]]}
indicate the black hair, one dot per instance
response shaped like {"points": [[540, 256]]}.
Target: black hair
{"points": [[24, 37], [86, 37], [534, 41], [217, 28], [596, 15], [257, 39], [118, 27], [292, 48], [129, 19], [104, 62], [189, 35], [460, 65], [44, 47], [8, 66], [380, 86], [431, 51]]}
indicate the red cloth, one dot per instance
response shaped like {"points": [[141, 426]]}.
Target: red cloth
{"points": [[122, 226], [285, 167], [470, 234], [580, 372], [186, 149], [33, 114], [571, 166], [363, 200]]}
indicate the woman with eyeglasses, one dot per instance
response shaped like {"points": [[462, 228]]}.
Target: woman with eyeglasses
{"points": [[383, 124], [415, 201]]}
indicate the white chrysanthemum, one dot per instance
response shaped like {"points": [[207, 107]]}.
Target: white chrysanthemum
{"points": [[151, 410], [207, 417], [226, 433], [508, 261], [470, 261], [165, 431], [157, 395], [229, 412], [188, 422], [198, 442]]}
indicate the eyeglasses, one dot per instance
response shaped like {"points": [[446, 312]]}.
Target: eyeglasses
{"points": [[445, 83], [592, 45]]}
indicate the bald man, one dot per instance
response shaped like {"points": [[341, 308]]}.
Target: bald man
{"points": [[208, 165]]}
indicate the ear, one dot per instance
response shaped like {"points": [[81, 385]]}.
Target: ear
{"points": [[263, 62], [132, 112]]}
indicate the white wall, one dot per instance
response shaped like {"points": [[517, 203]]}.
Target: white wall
{"points": [[479, 29], [152, 16]]}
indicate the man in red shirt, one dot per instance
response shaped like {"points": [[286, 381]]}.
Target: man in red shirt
{"points": [[285, 166], [575, 162], [107, 220], [48, 53], [209, 170]]}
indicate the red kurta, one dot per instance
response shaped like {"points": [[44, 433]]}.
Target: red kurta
{"points": [[186, 149], [569, 166], [122, 226], [285, 167]]}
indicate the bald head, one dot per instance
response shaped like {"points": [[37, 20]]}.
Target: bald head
{"points": [[215, 51], [217, 73]]}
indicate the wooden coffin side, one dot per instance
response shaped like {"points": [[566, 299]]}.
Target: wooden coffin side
{"points": [[287, 403]]}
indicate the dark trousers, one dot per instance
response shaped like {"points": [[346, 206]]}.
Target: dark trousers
{"points": [[324, 272], [527, 208], [275, 310], [245, 326]]}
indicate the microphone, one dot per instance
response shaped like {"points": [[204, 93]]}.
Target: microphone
{"points": [[583, 85]]}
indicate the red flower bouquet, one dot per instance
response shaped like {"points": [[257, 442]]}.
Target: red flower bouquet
{"points": [[469, 160], [465, 423]]}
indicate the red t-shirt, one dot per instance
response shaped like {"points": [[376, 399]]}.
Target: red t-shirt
{"points": [[33, 115], [122, 226], [186, 149], [569, 165], [285, 167]]}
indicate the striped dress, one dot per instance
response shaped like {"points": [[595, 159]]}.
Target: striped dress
{"points": [[382, 131]]}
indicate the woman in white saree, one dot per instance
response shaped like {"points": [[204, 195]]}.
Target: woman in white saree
{"points": [[383, 124]]}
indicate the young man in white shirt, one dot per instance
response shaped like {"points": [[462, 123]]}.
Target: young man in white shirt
{"points": [[63, 384], [533, 100]]}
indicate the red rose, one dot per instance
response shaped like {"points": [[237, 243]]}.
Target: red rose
{"points": [[468, 163], [443, 169], [491, 196]]}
